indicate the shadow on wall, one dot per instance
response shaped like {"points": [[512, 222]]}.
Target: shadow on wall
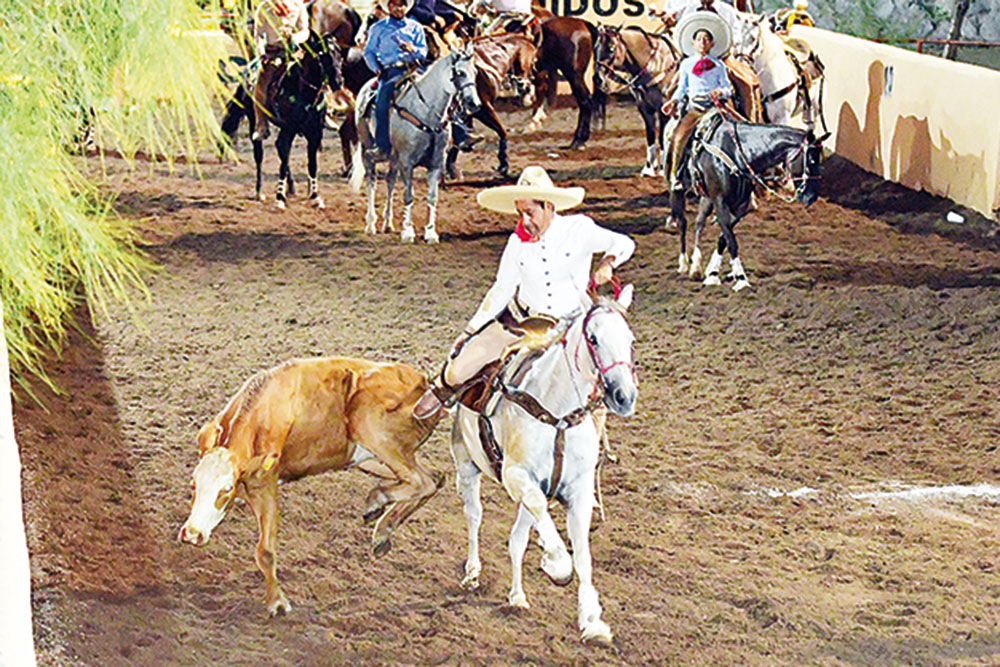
{"points": [[863, 144], [912, 152]]}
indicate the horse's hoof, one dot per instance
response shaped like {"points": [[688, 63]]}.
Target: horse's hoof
{"points": [[470, 581], [740, 284], [407, 236], [381, 545], [518, 600], [261, 197], [318, 203], [711, 279], [559, 570], [371, 515], [647, 171], [432, 238], [597, 632], [280, 204]]}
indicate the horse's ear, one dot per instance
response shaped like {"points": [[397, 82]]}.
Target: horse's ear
{"points": [[625, 297], [823, 138]]}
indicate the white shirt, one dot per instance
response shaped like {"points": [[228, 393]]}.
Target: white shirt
{"points": [[551, 274], [512, 6]]}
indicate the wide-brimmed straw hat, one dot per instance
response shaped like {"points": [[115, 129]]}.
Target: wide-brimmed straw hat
{"points": [[534, 184], [692, 22]]}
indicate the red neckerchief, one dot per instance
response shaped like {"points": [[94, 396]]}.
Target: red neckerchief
{"points": [[523, 234], [281, 9], [703, 66]]}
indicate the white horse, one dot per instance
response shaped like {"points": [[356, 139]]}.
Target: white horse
{"points": [[549, 446], [418, 130]]}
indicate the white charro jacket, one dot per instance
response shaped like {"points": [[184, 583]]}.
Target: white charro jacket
{"points": [[550, 275]]}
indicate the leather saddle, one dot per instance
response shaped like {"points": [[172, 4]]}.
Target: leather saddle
{"points": [[478, 392]]}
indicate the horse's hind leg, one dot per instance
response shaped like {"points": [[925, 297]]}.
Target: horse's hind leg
{"points": [[704, 210], [467, 479], [406, 234], [433, 179], [390, 186], [677, 217], [313, 142], [727, 222], [284, 145], [652, 150], [258, 158]]}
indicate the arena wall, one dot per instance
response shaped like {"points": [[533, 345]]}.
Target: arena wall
{"points": [[919, 120]]}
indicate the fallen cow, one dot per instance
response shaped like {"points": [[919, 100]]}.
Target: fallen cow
{"points": [[302, 418]]}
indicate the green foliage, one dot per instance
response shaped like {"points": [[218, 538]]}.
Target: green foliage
{"points": [[143, 73]]}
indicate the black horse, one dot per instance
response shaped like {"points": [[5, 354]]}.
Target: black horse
{"points": [[727, 160], [296, 106]]}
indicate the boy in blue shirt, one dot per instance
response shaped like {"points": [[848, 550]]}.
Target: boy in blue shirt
{"points": [[702, 79]]}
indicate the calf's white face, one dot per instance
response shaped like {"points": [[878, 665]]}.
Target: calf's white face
{"points": [[214, 486]]}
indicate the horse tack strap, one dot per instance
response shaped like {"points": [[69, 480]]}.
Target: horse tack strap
{"points": [[530, 404], [419, 124]]}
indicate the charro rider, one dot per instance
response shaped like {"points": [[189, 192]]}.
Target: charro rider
{"points": [[394, 44], [543, 273], [702, 80], [280, 28]]}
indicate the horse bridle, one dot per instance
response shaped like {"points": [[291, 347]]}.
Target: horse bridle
{"points": [[595, 354], [459, 87], [802, 149]]}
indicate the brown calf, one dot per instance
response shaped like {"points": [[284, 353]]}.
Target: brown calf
{"points": [[305, 417]]}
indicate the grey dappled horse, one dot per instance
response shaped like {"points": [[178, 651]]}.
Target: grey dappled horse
{"points": [[549, 446], [418, 130]]}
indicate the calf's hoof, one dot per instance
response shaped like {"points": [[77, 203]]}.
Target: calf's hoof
{"points": [[279, 606], [431, 237], [711, 279], [741, 283]]}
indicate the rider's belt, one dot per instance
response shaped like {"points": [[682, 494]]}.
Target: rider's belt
{"points": [[700, 103]]}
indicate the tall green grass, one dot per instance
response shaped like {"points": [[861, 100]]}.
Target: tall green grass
{"points": [[143, 73]]}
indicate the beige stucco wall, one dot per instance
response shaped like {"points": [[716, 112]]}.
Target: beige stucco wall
{"points": [[922, 121]]}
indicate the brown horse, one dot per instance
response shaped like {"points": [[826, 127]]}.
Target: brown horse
{"points": [[498, 57], [568, 49], [644, 63]]}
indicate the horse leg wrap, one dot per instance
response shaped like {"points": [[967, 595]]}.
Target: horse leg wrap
{"points": [[712, 270], [282, 189]]}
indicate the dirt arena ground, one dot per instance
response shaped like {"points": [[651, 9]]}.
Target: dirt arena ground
{"points": [[741, 525]]}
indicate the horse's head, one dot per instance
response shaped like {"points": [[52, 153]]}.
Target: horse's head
{"points": [[805, 172], [609, 50], [610, 342], [213, 487], [463, 77], [331, 60]]}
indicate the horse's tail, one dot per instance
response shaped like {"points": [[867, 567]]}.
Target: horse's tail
{"points": [[357, 175]]}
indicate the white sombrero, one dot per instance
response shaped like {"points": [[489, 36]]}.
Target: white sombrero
{"points": [[692, 22], [534, 184]]}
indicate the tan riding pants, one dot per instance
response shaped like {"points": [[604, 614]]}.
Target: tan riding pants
{"points": [[487, 345], [679, 140]]}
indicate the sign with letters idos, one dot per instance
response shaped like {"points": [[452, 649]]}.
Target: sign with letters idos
{"points": [[609, 12]]}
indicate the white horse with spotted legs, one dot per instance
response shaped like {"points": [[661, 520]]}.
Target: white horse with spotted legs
{"points": [[545, 445]]}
